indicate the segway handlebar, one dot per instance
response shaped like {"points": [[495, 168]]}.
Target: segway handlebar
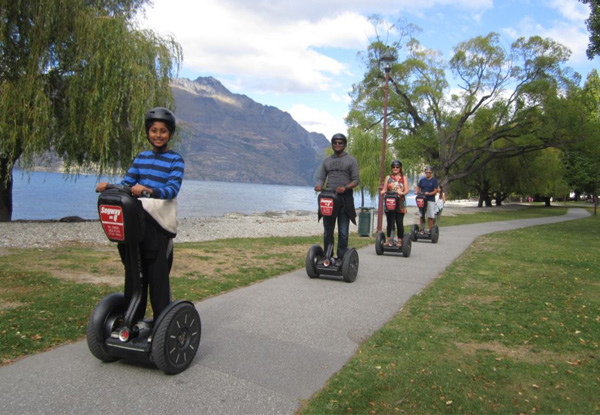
{"points": [[124, 188]]}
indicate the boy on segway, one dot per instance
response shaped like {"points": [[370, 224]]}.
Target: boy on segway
{"points": [[156, 174], [141, 216], [339, 173]]}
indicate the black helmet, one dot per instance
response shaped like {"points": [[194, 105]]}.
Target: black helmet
{"points": [[339, 136], [160, 114], [396, 163]]}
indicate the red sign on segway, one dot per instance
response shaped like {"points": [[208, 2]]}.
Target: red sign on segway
{"points": [[112, 222], [390, 203], [326, 206]]}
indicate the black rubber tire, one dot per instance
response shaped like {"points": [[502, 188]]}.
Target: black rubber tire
{"points": [[413, 232], [379, 241], [314, 254], [350, 265], [176, 339], [406, 246], [106, 316], [435, 234]]}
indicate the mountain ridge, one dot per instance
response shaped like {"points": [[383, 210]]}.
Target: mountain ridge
{"points": [[230, 137]]}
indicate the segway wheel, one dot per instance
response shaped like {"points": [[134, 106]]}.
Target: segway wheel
{"points": [[107, 315], [406, 246], [435, 234], [350, 265], [414, 232], [379, 241], [176, 339], [314, 254]]}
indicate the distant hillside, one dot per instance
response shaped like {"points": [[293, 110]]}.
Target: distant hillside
{"points": [[230, 137]]}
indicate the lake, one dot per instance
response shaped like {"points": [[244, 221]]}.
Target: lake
{"points": [[43, 196]]}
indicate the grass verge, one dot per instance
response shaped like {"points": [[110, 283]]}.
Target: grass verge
{"points": [[512, 326]]}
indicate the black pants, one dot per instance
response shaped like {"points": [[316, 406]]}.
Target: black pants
{"points": [[156, 252], [343, 222], [395, 220]]}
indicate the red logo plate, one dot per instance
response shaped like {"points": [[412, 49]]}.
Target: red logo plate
{"points": [[326, 206], [112, 222]]}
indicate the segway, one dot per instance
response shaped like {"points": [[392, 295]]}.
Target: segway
{"points": [[322, 262], [391, 201], [113, 331], [417, 232]]}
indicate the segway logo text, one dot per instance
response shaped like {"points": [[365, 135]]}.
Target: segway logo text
{"points": [[326, 206], [112, 222], [390, 203], [111, 213]]}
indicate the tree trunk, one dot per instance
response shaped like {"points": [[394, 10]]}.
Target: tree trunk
{"points": [[484, 199], [547, 201], [6, 186], [498, 198]]}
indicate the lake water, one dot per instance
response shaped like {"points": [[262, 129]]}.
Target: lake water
{"points": [[42, 195]]}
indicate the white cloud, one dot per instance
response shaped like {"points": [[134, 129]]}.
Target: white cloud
{"points": [[568, 34], [314, 120], [264, 54], [571, 10]]}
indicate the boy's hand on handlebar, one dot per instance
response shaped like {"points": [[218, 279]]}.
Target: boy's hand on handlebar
{"points": [[141, 191], [100, 187], [318, 188]]}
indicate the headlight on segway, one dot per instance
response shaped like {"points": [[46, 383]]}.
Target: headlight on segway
{"points": [[124, 334]]}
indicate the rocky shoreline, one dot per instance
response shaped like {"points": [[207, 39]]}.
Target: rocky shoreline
{"points": [[43, 234]]}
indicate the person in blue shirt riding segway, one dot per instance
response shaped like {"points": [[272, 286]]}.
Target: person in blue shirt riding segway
{"points": [[426, 190]]}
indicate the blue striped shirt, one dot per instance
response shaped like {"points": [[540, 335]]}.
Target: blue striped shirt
{"points": [[162, 172]]}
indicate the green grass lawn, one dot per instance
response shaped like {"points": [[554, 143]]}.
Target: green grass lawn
{"points": [[512, 327]]}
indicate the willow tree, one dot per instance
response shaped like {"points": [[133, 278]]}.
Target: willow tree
{"points": [[481, 104], [366, 147], [75, 79]]}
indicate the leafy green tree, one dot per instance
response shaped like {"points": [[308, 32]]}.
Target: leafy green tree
{"points": [[546, 176], [75, 79], [504, 102], [593, 25], [582, 159]]}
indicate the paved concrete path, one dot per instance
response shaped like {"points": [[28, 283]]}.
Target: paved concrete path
{"points": [[264, 348]]}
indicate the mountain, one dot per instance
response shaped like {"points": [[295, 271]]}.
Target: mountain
{"points": [[229, 137]]}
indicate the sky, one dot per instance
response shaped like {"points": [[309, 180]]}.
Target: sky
{"points": [[302, 56]]}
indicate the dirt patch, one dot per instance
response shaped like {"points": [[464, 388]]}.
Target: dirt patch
{"points": [[194, 262], [7, 305], [520, 353]]}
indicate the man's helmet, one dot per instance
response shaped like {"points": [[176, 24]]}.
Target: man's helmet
{"points": [[160, 114], [396, 163], [339, 136]]}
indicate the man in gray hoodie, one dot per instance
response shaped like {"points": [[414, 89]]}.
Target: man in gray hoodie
{"points": [[339, 173]]}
